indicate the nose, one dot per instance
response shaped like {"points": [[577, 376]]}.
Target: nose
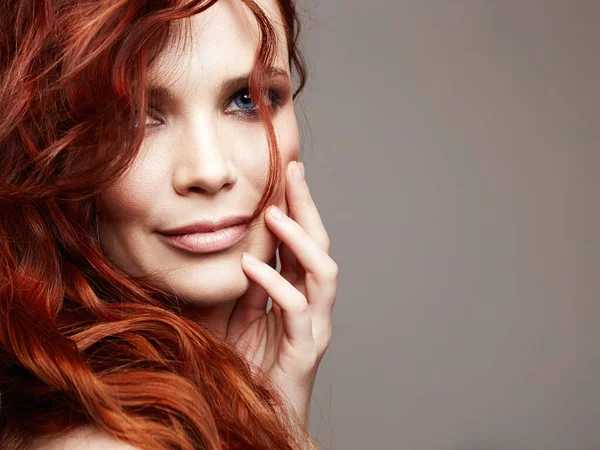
{"points": [[203, 159]]}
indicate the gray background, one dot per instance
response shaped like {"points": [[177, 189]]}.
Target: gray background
{"points": [[453, 155]]}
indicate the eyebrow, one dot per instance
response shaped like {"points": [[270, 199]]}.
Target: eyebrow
{"points": [[164, 93]]}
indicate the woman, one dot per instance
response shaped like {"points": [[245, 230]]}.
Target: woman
{"points": [[132, 130]]}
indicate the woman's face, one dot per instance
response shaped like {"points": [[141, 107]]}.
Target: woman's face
{"points": [[201, 159]]}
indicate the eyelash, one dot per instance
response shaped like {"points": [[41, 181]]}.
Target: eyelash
{"points": [[276, 96]]}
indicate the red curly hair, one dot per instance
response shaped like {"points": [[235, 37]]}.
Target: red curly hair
{"points": [[81, 342]]}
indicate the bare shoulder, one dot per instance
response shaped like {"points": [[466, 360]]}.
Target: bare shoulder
{"points": [[83, 438]]}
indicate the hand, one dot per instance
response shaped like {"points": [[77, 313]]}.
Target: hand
{"points": [[290, 340]]}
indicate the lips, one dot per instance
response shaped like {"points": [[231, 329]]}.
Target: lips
{"points": [[209, 242], [206, 225]]}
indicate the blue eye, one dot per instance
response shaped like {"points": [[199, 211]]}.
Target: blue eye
{"points": [[242, 100]]}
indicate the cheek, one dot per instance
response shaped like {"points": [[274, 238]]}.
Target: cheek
{"points": [[288, 137], [289, 146], [132, 196], [122, 201], [252, 157]]}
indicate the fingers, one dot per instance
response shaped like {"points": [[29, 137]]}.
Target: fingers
{"points": [[321, 270], [251, 306], [296, 318], [274, 306], [302, 207], [313, 258], [289, 265]]}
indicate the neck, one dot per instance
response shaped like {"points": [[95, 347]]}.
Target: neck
{"points": [[214, 318]]}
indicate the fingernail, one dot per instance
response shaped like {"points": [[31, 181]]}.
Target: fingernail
{"points": [[275, 212], [303, 172], [250, 259], [298, 175]]}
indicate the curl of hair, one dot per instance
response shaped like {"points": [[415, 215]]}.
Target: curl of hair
{"points": [[81, 342]]}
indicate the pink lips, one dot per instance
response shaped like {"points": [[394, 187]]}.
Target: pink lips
{"points": [[207, 225], [208, 236]]}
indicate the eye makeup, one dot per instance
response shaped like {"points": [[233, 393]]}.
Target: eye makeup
{"points": [[277, 96]]}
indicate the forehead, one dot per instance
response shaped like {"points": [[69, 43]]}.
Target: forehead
{"points": [[223, 42]]}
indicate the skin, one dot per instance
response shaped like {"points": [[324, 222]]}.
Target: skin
{"points": [[202, 159], [83, 438], [197, 161]]}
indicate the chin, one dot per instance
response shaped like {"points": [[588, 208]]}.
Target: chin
{"points": [[208, 283], [219, 278], [207, 280]]}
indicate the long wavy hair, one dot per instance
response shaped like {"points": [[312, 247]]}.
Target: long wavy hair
{"points": [[81, 342]]}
